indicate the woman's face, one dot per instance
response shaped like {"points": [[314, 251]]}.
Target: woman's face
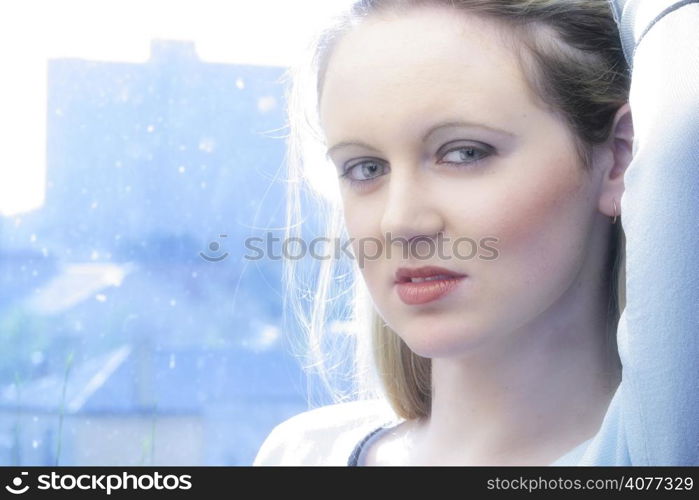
{"points": [[508, 171]]}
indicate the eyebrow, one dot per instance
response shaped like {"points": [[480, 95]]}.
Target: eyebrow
{"points": [[428, 134]]}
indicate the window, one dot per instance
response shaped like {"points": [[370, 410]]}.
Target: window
{"points": [[134, 332]]}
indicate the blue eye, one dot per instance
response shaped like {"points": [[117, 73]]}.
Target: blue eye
{"points": [[464, 155], [366, 170]]}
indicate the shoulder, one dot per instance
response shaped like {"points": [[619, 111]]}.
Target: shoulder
{"points": [[322, 436]]}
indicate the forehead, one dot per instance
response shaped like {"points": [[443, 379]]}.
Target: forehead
{"points": [[409, 66]]}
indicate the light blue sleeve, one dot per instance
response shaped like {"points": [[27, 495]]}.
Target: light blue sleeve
{"points": [[653, 418]]}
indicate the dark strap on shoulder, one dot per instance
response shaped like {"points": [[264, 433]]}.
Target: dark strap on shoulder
{"points": [[354, 456]]}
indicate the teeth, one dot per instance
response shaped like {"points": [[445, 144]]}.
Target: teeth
{"points": [[430, 278]]}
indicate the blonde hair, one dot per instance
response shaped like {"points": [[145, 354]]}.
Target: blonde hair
{"points": [[571, 52]]}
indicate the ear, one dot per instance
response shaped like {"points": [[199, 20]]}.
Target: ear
{"points": [[619, 149]]}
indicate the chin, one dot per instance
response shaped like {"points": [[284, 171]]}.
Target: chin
{"points": [[444, 342]]}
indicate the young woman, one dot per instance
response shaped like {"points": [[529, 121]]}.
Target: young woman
{"points": [[507, 125]]}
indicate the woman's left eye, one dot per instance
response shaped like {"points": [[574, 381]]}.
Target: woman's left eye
{"points": [[464, 154]]}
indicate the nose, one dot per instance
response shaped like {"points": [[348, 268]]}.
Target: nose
{"points": [[411, 211]]}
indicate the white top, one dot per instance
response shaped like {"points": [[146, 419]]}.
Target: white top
{"points": [[328, 435], [325, 435]]}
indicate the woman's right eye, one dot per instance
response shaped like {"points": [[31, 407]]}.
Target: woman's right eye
{"points": [[363, 171]]}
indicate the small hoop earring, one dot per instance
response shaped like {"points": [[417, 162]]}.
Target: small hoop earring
{"points": [[615, 214]]}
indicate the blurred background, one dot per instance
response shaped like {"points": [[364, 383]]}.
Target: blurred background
{"points": [[142, 143]]}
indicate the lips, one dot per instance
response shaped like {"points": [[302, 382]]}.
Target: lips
{"points": [[425, 273], [416, 286], [416, 293]]}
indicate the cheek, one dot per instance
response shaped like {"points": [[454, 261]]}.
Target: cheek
{"points": [[361, 223], [365, 244], [540, 226]]}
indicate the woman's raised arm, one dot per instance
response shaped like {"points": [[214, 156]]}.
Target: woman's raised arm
{"points": [[657, 405]]}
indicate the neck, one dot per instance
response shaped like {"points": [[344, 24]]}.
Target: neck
{"points": [[527, 397]]}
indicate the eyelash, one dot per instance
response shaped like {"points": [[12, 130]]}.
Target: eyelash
{"points": [[355, 183]]}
